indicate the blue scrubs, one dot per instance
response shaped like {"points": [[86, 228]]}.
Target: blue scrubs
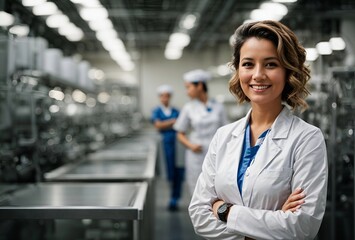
{"points": [[248, 154], [174, 173]]}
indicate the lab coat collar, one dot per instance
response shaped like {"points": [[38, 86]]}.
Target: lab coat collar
{"points": [[280, 127]]}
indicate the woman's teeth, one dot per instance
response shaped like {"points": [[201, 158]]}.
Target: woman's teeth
{"points": [[259, 87]]}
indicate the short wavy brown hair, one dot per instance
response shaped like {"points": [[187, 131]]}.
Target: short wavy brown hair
{"points": [[291, 55]]}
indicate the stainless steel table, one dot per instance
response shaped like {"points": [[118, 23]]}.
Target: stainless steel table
{"points": [[122, 201], [119, 165]]}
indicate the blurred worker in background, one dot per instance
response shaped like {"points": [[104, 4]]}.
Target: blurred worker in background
{"points": [[202, 116], [164, 117], [265, 175]]}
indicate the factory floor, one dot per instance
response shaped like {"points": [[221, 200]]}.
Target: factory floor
{"points": [[172, 225]]}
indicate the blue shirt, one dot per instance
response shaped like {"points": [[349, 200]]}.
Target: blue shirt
{"points": [[248, 154], [158, 114]]}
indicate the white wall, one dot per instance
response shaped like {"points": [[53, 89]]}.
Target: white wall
{"points": [[152, 70]]}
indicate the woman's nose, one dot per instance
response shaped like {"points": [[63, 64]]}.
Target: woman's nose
{"points": [[259, 73]]}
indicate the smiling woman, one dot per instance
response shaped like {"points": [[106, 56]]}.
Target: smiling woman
{"points": [[265, 175]]}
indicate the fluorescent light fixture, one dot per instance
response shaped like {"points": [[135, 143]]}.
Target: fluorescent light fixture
{"points": [[79, 96], [188, 22], [44, 9], [324, 48], [113, 44], [57, 20], [276, 8], [337, 43], [87, 3], [69, 29], [75, 36], [6, 19], [54, 108], [284, 1], [106, 34], [32, 3], [126, 65], [20, 30], [180, 39], [232, 40], [56, 94], [101, 24], [173, 53], [120, 55], [91, 102], [103, 97], [311, 54], [90, 14], [262, 14]]}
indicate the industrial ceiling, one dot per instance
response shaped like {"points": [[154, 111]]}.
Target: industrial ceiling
{"points": [[148, 23]]}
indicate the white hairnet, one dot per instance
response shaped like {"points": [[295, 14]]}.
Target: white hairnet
{"points": [[197, 75], [164, 89]]}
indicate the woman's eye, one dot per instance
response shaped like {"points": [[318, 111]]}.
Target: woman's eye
{"points": [[271, 64], [247, 64]]}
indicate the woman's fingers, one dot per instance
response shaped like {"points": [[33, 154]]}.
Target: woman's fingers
{"points": [[294, 201]]}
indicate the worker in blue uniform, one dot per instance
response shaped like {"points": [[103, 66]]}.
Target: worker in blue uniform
{"points": [[164, 117]]}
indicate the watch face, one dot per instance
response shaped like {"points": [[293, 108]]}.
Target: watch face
{"points": [[222, 208]]}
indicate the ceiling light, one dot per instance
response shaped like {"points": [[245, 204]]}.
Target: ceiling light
{"points": [[324, 48], [284, 1], [103, 97], [113, 44], [126, 65], [180, 39], [75, 36], [57, 20], [311, 54], [118, 55], [6, 19], [262, 14], [47, 8], [337, 43], [276, 8], [20, 30], [87, 3], [68, 29], [106, 34], [32, 3], [173, 53], [78, 96], [188, 22], [101, 24], [90, 14]]}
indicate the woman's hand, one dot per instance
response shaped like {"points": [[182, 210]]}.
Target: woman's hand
{"points": [[294, 201], [215, 207], [196, 148]]}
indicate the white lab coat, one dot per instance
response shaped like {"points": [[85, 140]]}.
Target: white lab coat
{"points": [[292, 155], [203, 125]]}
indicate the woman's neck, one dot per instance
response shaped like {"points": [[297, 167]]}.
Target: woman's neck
{"points": [[203, 97], [264, 117]]}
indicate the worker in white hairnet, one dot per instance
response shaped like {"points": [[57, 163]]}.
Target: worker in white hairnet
{"points": [[163, 118], [200, 117]]}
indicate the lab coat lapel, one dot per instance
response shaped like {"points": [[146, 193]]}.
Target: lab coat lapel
{"points": [[233, 153], [270, 149]]}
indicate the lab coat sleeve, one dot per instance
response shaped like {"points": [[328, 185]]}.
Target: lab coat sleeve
{"points": [[200, 209], [183, 121], [310, 173]]}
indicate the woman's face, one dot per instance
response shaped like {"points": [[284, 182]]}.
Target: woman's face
{"points": [[192, 90], [262, 77], [165, 99]]}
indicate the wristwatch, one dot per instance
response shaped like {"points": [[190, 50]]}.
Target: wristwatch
{"points": [[223, 210]]}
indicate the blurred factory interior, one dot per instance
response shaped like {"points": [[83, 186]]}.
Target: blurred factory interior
{"points": [[78, 83]]}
